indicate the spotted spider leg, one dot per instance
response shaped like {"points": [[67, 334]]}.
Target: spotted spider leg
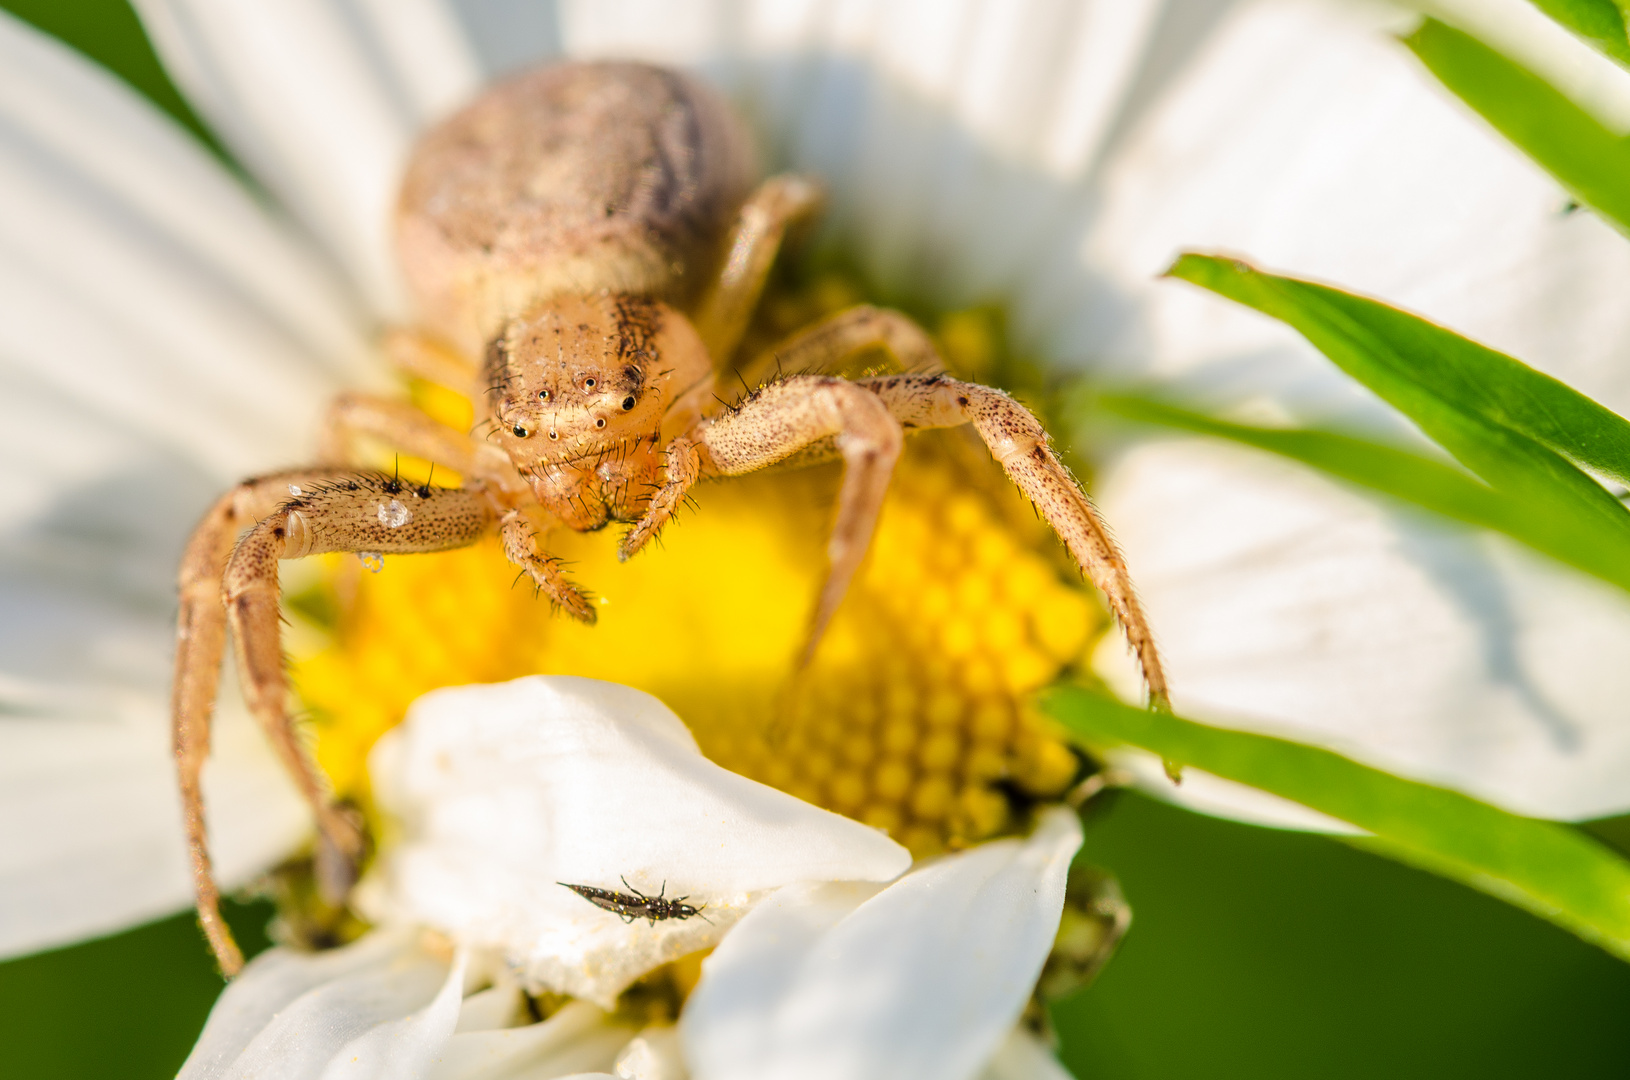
{"points": [[1020, 445], [774, 424], [200, 643], [226, 581], [400, 424], [808, 416]]}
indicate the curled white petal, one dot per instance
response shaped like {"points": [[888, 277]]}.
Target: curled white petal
{"points": [[391, 1006], [654, 1054], [923, 978], [289, 1014], [579, 1039], [402, 1049], [502, 793], [1022, 1056]]}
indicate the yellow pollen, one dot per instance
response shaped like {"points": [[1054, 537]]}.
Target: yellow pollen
{"points": [[913, 717]]}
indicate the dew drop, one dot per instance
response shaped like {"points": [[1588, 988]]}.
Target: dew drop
{"points": [[294, 489], [372, 560], [394, 515]]}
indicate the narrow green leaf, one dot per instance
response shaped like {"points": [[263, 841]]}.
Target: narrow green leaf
{"points": [[1495, 414], [1600, 22], [1548, 869], [1410, 477], [1586, 158]]}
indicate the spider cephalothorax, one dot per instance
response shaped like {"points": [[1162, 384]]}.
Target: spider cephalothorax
{"points": [[578, 391], [585, 248]]}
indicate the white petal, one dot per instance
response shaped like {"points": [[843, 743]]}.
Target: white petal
{"points": [[654, 1054], [139, 280], [1312, 143], [403, 1049], [509, 34], [657, 31], [91, 839], [290, 1014], [391, 1007], [946, 132], [1318, 613], [116, 145], [578, 1037], [123, 317], [1022, 1056], [321, 101], [922, 979], [1309, 141], [503, 792], [90, 825]]}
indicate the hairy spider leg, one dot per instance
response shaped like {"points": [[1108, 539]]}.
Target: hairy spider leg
{"points": [[225, 584], [721, 318], [819, 348], [201, 623], [810, 417], [1020, 444]]}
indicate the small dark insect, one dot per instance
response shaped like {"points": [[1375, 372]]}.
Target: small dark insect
{"points": [[634, 904]]}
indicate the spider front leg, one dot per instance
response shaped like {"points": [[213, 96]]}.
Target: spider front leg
{"points": [[844, 335], [403, 426], [200, 643], [522, 548], [222, 585], [810, 413], [415, 352], [1018, 441], [722, 317]]}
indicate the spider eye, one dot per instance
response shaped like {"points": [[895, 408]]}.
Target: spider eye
{"points": [[588, 384], [543, 395], [600, 422], [628, 402], [520, 432]]}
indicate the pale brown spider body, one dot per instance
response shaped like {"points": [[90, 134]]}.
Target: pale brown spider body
{"points": [[585, 247]]}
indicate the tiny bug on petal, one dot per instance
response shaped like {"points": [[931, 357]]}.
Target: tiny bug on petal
{"points": [[634, 904]]}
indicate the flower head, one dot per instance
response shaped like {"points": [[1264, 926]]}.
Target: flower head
{"points": [[1051, 159]]}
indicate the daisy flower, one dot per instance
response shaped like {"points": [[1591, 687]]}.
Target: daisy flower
{"points": [[1046, 157]]}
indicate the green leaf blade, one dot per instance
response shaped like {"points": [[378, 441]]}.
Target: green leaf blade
{"points": [[1402, 475], [1584, 156], [1419, 367], [1543, 867], [1600, 22], [1491, 412]]}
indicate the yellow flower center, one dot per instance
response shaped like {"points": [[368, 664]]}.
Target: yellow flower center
{"points": [[914, 716]]}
